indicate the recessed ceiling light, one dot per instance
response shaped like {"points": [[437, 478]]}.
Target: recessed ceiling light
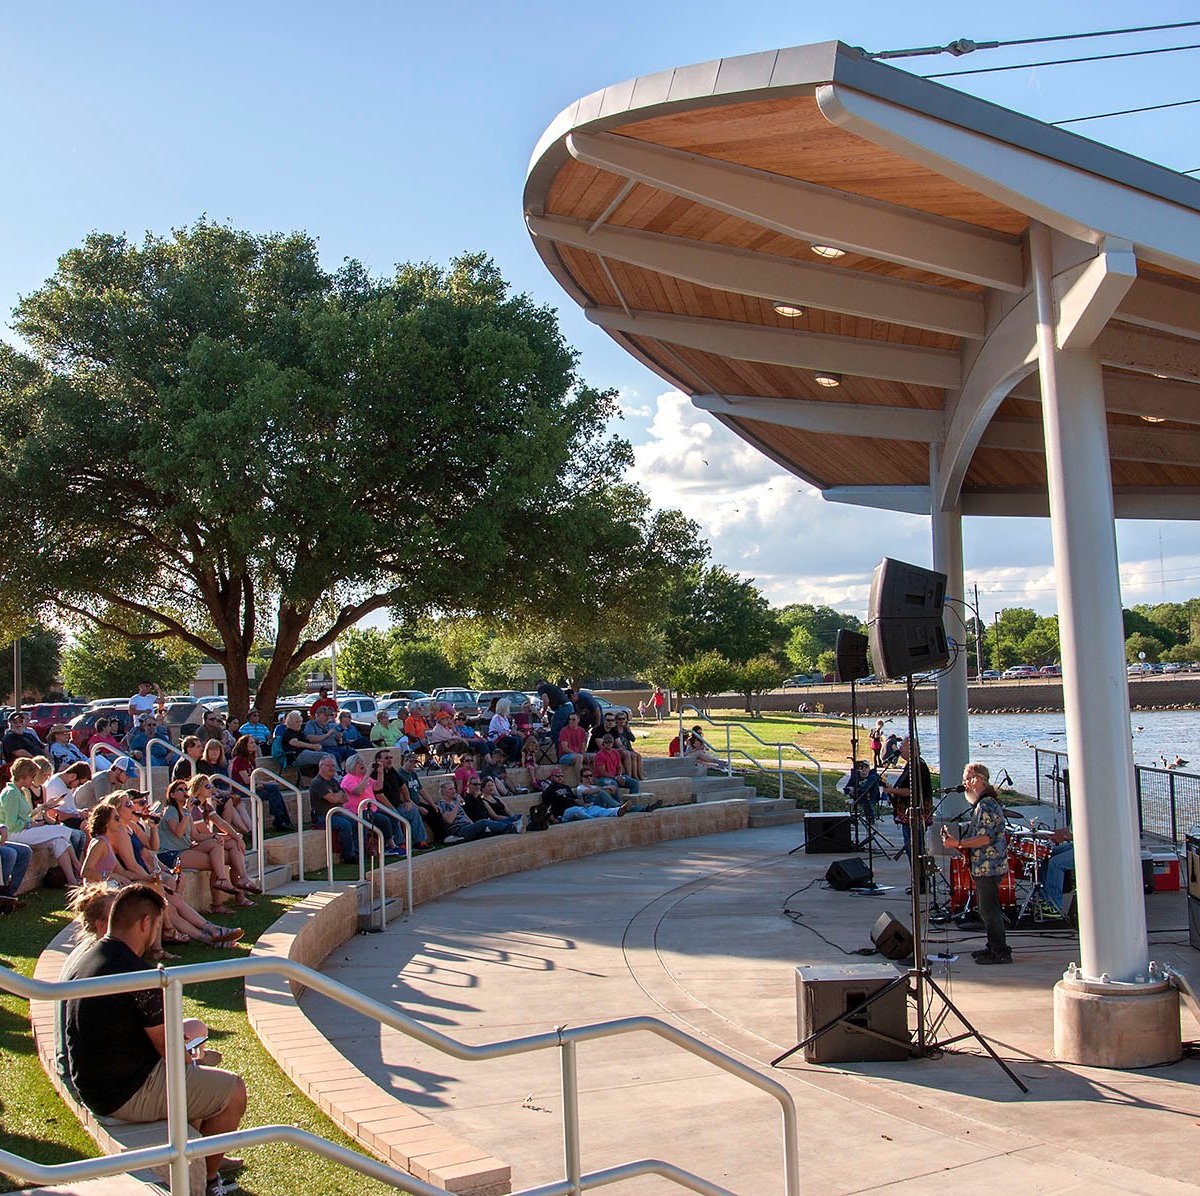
{"points": [[788, 309], [1155, 419], [828, 251], [1164, 377], [825, 379]]}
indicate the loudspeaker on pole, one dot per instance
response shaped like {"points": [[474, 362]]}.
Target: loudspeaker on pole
{"points": [[908, 634]]}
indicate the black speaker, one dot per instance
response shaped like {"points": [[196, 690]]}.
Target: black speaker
{"points": [[905, 612], [892, 939], [827, 834], [848, 874], [851, 656]]}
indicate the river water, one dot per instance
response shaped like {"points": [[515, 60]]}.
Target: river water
{"points": [[1006, 741]]}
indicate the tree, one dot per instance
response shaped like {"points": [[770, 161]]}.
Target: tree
{"points": [[812, 630], [704, 675], [418, 663], [708, 608], [41, 652], [364, 660], [268, 447], [755, 678], [1138, 643], [107, 664]]}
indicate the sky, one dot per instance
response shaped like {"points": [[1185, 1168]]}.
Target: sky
{"points": [[395, 132]]}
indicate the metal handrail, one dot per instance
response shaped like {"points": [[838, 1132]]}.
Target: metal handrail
{"points": [[111, 754], [408, 851], [170, 748], [179, 1150], [731, 751], [257, 826], [364, 873], [276, 779]]}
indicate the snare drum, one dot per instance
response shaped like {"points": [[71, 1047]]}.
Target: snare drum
{"points": [[1027, 855]]}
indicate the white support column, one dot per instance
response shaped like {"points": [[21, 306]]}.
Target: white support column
{"points": [[953, 741], [1114, 955]]}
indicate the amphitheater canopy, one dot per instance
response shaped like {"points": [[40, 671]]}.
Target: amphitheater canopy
{"points": [[833, 257]]}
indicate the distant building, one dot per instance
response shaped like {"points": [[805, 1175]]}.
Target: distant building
{"points": [[210, 680]]}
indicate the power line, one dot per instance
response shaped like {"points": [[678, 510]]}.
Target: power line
{"points": [[966, 46], [991, 70], [1076, 120]]}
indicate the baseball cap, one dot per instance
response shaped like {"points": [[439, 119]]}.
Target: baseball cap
{"points": [[126, 764]]}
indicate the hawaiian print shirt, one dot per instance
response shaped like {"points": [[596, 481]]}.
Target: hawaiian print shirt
{"points": [[987, 818]]}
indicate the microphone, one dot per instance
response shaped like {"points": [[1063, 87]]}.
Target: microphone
{"points": [[954, 789]]}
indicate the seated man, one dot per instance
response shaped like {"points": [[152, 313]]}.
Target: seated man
{"points": [[460, 827], [115, 1045], [416, 728], [864, 789], [326, 796], [321, 731], [146, 732], [572, 741], [607, 763], [15, 859], [122, 773], [1061, 861], [564, 804], [21, 740], [255, 727], [592, 793]]}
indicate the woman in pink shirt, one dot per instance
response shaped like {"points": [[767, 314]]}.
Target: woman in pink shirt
{"points": [[360, 787], [464, 773], [572, 740]]}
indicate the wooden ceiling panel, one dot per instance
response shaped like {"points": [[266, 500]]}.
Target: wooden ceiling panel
{"points": [[992, 469], [845, 460], [791, 137]]}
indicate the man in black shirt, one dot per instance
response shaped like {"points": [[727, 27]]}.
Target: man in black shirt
{"points": [[901, 794], [560, 706], [20, 741], [115, 1045]]}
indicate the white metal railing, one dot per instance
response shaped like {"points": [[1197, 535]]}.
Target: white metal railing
{"points": [[275, 779], [731, 752], [363, 827], [109, 753], [178, 1150], [408, 851], [171, 751]]}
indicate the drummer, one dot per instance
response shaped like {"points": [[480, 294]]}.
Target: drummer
{"points": [[985, 845], [1061, 861]]}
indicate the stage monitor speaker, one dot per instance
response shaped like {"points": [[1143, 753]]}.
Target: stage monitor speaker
{"points": [[908, 634], [850, 655], [892, 939], [828, 834], [848, 874], [826, 991]]}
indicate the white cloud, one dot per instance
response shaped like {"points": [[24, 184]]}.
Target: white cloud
{"points": [[765, 523]]}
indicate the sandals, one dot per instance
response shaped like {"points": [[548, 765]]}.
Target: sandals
{"points": [[250, 887], [243, 903], [175, 937], [223, 886]]}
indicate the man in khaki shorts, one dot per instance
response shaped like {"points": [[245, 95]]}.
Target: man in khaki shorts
{"points": [[115, 1044]]}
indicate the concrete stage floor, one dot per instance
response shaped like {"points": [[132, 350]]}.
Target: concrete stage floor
{"points": [[693, 932]]}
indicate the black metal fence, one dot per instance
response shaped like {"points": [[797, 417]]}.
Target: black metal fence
{"points": [[1168, 800]]}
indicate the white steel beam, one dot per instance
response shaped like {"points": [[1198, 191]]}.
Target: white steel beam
{"points": [[1086, 304], [1128, 504], [1072, 200], [1156, 445], [803, 284], [1161, 307], [833, 419], [912, 500], [1160, 399], [811, 213], [1149, 353], [786, 347]]}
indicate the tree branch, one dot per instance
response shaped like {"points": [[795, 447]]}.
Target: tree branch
{"points": [[174, 627]]}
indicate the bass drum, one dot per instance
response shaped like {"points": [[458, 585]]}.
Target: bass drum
{"points": [[962, 887]]}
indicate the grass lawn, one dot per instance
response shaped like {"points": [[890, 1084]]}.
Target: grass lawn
{"points": [[825, 739], [38, 1125]]}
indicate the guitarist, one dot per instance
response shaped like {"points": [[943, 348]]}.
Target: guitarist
{"points": [[901, 795], [984, 844]]}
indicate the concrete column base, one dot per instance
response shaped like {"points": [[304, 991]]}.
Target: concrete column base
{"points": [[1116, 1025]]}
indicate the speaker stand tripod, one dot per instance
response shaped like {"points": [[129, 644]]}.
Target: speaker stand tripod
{"points": [[917, 981]]}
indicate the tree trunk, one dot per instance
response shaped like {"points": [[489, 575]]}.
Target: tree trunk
{"points": [[237, 687]]}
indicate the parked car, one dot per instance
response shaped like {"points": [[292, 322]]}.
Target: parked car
{"points": [[362, 708], [1137, 669], [803, 679], [989, 675], [107, 703], [1018, 671], [409, 695], [1172, 666], [606, 706], [1050, 670], [396, 708], [516, 699], [464, 701], [182, 718], [44, 715]]}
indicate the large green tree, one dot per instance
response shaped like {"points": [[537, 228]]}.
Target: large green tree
{"points": [[710, 609], [811, 631], [41, 653], [108, 664], [215, 435]]}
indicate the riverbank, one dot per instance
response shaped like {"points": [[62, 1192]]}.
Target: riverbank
{"points": [[1040, 696]]}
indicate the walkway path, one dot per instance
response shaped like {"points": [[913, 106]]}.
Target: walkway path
{"points": [[693, 932]]}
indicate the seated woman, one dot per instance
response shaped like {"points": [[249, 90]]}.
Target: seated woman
{"points": [[458, 824], [227, 801], [62, 750], [493, 768], [299, 752], [410, 778], [208, 824], [572, 742], [178, 844], [695, 748], [360, 789], [25, 825], [396, 797], [187, 765], [483, 802], [103, 736], [631, 760], [444, 738], [464, 772], [242, 764], [136, 851], [502, 734]]}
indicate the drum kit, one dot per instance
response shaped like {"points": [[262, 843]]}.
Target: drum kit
{"points": [[1021, 894]]}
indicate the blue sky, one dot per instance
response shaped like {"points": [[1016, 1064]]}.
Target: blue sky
{"points": [[394, 132]]}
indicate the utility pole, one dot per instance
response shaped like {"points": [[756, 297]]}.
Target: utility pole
{"points": [[18, 688], [996, 624], [978, 638]]}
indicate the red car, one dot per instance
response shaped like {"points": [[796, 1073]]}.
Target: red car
{"points": [[45, 715]]}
